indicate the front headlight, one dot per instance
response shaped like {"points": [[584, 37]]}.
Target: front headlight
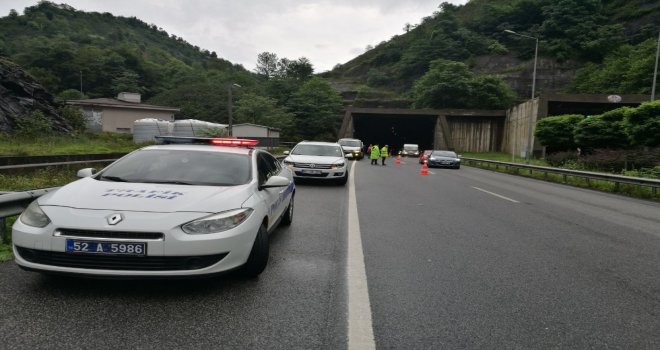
{"points": [[217, 222], [338, 165], [287, 163], [34, 216]]}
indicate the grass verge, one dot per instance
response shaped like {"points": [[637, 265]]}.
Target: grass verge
{"points": [[88, 143]]}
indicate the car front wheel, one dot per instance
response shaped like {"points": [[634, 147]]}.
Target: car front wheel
{"points": [[288, 214], [258, 258]]}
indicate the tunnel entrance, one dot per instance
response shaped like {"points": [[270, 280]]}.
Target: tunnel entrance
{"points": [[394, 130]]}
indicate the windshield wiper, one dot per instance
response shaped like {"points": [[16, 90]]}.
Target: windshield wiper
{"points": [[113, 178]]}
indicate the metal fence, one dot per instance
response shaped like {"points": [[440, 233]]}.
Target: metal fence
{"points": [[617, 180]]}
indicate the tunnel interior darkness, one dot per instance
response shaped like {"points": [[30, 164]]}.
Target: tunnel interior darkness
{"points": [[394, 130]]}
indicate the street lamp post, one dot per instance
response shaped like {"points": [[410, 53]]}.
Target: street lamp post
{"points": [[531, 124], [230, 107], [655, 71]]}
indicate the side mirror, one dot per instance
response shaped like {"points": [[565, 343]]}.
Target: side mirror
{"points": [[275, 181], [286, 153], [87, 172], [460, 156]]}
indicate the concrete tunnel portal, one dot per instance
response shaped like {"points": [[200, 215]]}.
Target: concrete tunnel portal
{"points": [[452, 129]]}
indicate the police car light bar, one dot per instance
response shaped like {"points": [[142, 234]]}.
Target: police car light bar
{"points": [[207, 140], [235, 142]]}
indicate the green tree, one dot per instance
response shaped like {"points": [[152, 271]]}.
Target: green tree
{"points": [[315, 107], [261, 110], [447, 84], [450, 84], [266, 64], [127, 81], [69, 94], [557, 132]]}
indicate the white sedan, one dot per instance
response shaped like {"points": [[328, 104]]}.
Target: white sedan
{"points": [[163, 210]]}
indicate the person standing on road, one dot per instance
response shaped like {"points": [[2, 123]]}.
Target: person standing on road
{"points": [[375, 154], [384, 153]]}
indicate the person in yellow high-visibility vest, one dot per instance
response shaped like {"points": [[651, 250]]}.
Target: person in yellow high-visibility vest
{"points": [[384, 153], [375, 153]]}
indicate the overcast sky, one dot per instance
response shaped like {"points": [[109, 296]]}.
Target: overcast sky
{"points": [[325, 31]]}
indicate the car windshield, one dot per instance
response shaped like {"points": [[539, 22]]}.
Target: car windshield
{"points": [[350, 143], [318, 150], [410, 147], [180, 167], [444, 154]]}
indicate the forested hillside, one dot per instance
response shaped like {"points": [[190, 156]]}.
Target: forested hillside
{"points": [[458, 57], [616, 36]]}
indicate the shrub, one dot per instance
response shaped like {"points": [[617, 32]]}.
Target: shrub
{"points": [[602, 131], [377, 78], [643, 124], [35, 124], [560, 159], [74, 117], [556, 133], [620, 160]]}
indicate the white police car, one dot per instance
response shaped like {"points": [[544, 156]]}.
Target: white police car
{"points": [[163, 210]]}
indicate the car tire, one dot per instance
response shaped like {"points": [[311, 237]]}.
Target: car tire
{"points": [[343, 180], [258, 258], [288, 214], [457, 167]]}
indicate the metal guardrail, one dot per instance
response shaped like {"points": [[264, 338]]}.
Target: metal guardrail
{"points": [[587, 175]]}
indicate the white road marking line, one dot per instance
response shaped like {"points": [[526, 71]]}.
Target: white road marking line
{"points": [[432, 173], [496, 195], [360, 328]]}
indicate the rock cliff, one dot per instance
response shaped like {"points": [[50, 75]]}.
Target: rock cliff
{"points": [[21, 94]]}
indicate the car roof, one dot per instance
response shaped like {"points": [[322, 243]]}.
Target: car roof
{"points": [[198, 147]]}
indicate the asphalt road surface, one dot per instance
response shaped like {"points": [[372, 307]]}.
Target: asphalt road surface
{"points": [[458, 259]]}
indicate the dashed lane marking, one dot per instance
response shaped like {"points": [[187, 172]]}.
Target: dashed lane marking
{"points": [[496, 195]]}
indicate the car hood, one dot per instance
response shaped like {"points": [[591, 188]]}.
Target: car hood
{"points": [[297, 158], [351, 148], [88, 193]]}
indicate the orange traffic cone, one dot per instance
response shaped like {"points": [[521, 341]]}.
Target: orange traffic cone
{"points": [[398, 160], [425, 169]]}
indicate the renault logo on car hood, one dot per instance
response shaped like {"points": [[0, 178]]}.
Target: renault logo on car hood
{"points": [[114, 219]]}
